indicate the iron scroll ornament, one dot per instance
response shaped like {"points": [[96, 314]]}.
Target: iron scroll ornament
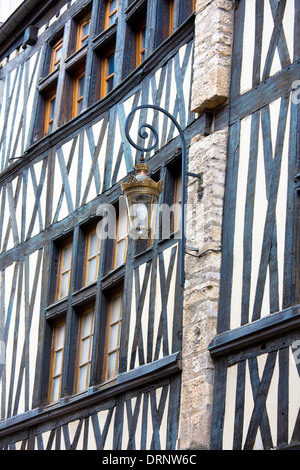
{"points": [[144, 135]]}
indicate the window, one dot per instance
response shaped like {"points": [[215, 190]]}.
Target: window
{"points": [[83, 31], [50, 112], [114, 315], [57, 355], [79, 82], [170, 210], [81, 329], [140, 43], [171, 16], [56, 55], [92, 253], [165, 20], [64, 270], [120, 242], [111, 12], [86, 332], [177, 201], [107, 76]]}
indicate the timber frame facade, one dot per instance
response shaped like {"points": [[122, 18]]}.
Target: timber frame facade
{"points": [[255, 350], [101, 347], [57, 170]]}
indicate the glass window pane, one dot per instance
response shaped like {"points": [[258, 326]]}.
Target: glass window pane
{"points": [[82, 383], [113, 5], [116, 309], [60, 338], [114, 337], [112, 19], [85, 345], [123, 223], [110, 64], [58, 54], [56, 389], [64, 289], [92, 274], [52, 109], [58, 363], [111, 366], [85, 29], [143, 38], [67, 258], [93, 244], [80, 86], [88, 323], [120, 258]]}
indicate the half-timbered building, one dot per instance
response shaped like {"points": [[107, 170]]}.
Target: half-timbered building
{"points": [[108, 342]]}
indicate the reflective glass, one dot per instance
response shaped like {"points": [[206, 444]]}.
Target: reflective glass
{"points": [[92, 266], [58, 363], [114, 336], [56, 389], [111, 366], [116, 309], [64, 288], [82, 383]]}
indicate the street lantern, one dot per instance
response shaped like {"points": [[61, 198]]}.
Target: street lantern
{"points": [[141, 195]]}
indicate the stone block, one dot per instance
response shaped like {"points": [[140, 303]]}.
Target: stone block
{"points": [[212, 53]]}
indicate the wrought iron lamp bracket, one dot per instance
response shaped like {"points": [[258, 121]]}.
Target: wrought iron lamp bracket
{"points": [[142, 132]]}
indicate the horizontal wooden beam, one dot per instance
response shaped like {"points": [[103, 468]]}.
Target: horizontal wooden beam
{"points": [[271, 326], [144, 375], [266, 92]]}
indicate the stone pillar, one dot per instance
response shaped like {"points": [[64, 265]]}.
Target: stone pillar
{"points": [[207, 155], [212, 56]]}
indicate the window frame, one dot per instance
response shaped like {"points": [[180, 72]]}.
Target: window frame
{"points": [[113, 294], [108, 13], [77, 99], [170, 220], [177, 200], [78, 365], [81, 24], [165, 21], [51, 96], [53, 355], [140, 48], [171, 16], [104, 76], [88, 233], [54, 63], [118, 240], [62, 247]]}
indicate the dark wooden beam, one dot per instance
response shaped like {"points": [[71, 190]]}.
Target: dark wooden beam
{"points": [[145, 375], [257, 332]]}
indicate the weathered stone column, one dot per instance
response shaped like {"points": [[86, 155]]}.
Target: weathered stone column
{"points": [[207, 155]]}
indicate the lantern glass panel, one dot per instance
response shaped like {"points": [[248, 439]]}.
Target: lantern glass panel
{"points": [[141, 209]]}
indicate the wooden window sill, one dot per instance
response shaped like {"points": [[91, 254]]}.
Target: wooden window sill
{"points": [[104, 38]]}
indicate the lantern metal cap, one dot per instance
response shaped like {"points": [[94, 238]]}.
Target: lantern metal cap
{"points": [[142, 183]]}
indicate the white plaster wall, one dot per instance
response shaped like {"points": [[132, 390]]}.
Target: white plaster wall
{"points": [[7, 7]]}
